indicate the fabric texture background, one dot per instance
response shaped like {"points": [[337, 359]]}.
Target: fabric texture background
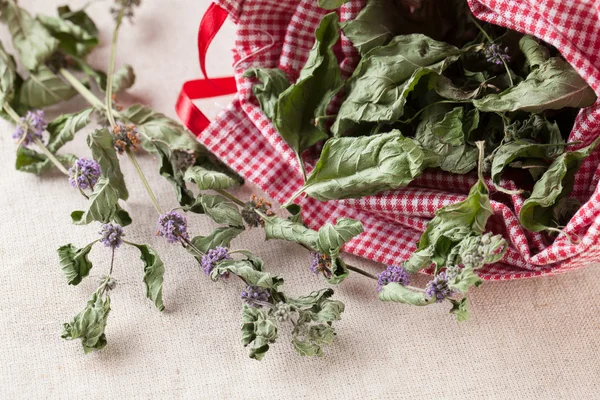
{"points": [[534, 338]]}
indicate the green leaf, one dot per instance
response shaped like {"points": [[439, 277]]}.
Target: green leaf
{"points": [[374, 26], [221, 210], [31, 39], [103, 205], [89, 325], [157, 126], [208, 180], [379, 87], [123, 79], [247, 271], [535, 53], [74, 262], [315, 298], [154, 271], [509, 152], [311, 341], [36, 163], [557, 182], [318, 306], [401, 294], [449, 227], [274, 82], [333, 237], [331, 4], [296, 106], [445, 134], [63, 129], [122, 217], [79, 18], [259, 330], [103, 151], [362, 166], [448, 90], [460, 309], [295, 211], [8, 75], [219, 237], [464, 280], [171, 173], [73, 39], [44, 88], [308, 338], [285, 229], [552, 86], [95, 74]]}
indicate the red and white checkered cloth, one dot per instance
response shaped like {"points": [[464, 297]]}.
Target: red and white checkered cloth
{"points": [[280, 33]]}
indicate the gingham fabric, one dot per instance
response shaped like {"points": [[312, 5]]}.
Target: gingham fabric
{"points": [[280, 33]]}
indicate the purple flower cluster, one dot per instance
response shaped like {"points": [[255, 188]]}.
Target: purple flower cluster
{"points": [[112, 235], [495, 54], [84, 174], [321, 264], [255, 295], [212, 257], [391, 274], [172, 226], [438, 288], [31, 127]]}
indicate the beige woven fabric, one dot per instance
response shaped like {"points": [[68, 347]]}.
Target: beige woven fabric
{"points": [[535, 339]]}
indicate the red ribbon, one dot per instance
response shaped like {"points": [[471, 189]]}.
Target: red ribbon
{"points": [[188, 112]]}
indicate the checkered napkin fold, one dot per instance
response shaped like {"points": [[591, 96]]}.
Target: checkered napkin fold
{"points": [[280, 33]]}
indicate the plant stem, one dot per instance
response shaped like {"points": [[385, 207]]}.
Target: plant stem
{"points": [[140, 173], [191, 245], [409, 120], [360, 271], [81, 89], [231, 197], [489, 39], [76, 179], [111, 68], [51, 156], [302, 166], [294, 197], [485, 34], [13, 114], [112, 264]]}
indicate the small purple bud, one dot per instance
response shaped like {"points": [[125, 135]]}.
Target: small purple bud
{"points": [[255, 295], [496, 55], [212, 257], [172, 226], [84, 174], [438, 288], [112, 235], [391, 274], [31, 127]]}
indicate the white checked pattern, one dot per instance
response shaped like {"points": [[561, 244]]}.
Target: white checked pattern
{"points": [[275, 33]]}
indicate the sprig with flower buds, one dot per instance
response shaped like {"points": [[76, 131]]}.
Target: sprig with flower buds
{"points": [[89, 325], [266, 308]]}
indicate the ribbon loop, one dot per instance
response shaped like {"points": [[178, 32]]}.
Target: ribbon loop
{"points": [[188, 112]]}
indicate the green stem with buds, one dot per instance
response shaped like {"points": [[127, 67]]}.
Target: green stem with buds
{"points": [[490, 40], [13, 114]]}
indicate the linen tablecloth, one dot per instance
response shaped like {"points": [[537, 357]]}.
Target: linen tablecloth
{"points": [[534, 339]]}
